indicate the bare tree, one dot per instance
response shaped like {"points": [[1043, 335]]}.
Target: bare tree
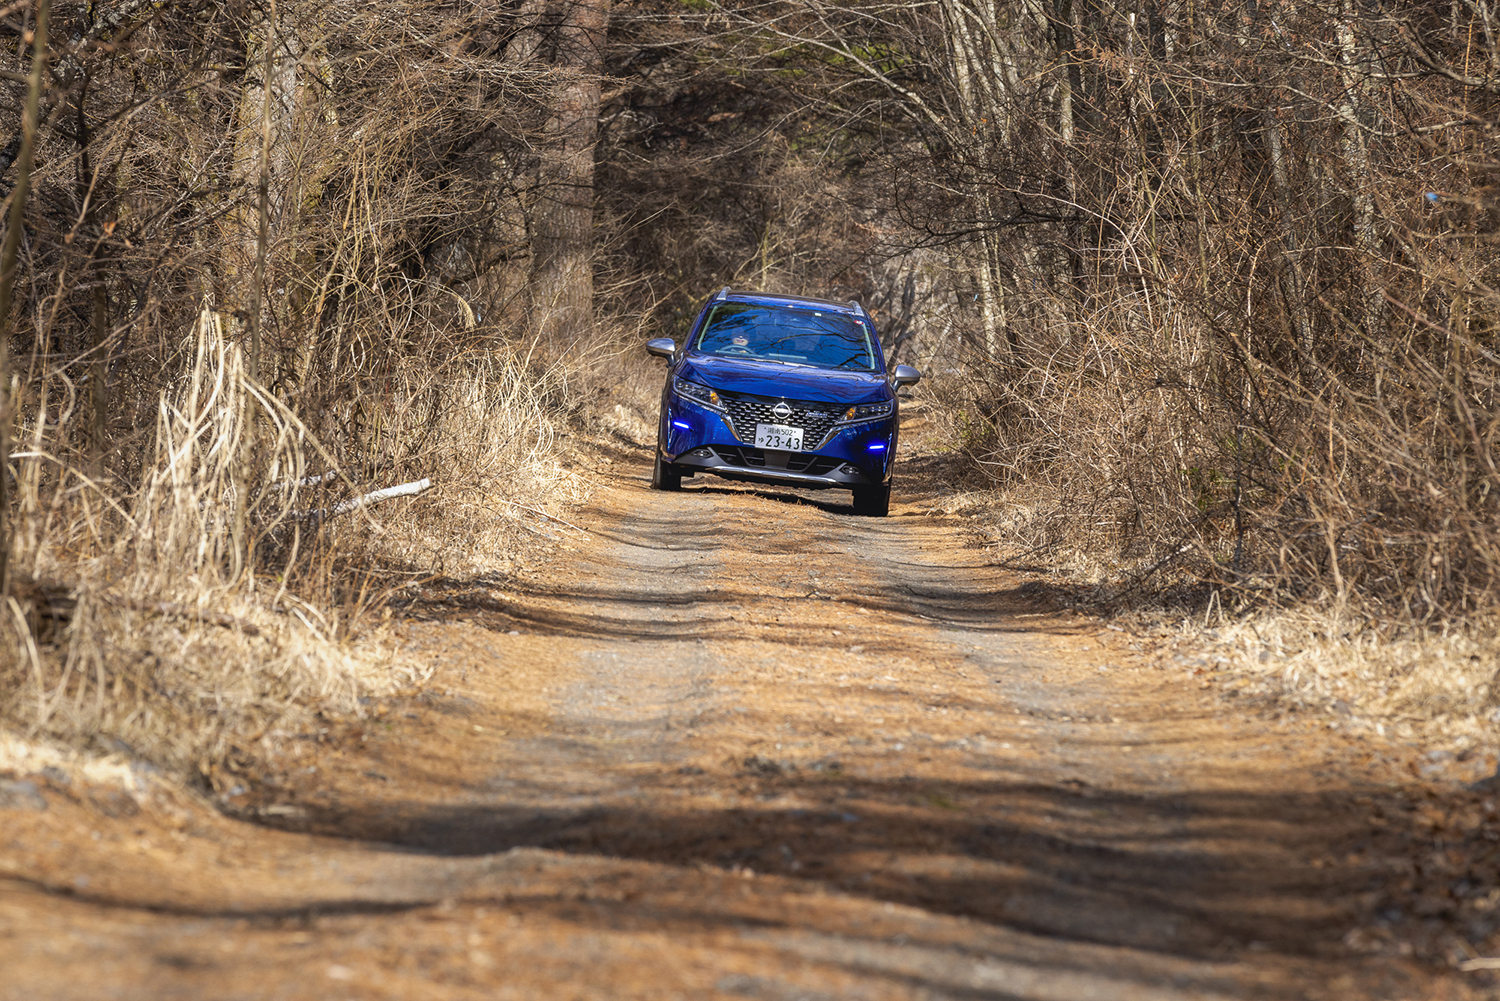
{"points": [[562, 227]]}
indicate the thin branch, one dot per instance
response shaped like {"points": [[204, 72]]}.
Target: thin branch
{"points": [[411, 489]]}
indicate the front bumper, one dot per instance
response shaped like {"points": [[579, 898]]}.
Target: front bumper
{"points": [[698, 439], [764, 465]]}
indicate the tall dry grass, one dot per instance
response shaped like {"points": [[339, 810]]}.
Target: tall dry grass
{"points": [[270, 266], [128, 632], [1343, 516]]}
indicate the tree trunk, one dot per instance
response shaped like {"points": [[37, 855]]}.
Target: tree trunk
{"points": [[30, 120], [562, 291], [1293, 284], [272, 128], [1352, 75]]}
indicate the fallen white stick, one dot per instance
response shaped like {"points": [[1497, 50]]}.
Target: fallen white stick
{"points": [[374, 497], [1481, 963]]}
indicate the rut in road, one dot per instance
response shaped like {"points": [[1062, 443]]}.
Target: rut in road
{"points": [[762, 682], [739, 744]]}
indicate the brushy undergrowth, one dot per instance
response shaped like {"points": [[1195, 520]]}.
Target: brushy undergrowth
{"points": [[128, 633], [1340, 542], [267, 271]]}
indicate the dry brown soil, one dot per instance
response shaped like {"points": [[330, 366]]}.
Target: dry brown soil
{"points": [[743, 744]]}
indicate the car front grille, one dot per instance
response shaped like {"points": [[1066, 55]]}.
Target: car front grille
{"points": [[816, 420]]}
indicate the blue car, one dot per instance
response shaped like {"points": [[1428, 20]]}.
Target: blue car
{"points": [[780, 389]]}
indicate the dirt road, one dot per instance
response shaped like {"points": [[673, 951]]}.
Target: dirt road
{"points": [[739, 745]]}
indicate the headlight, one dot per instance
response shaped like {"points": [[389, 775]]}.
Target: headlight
{"points": [[866, 412], [697, 392]]}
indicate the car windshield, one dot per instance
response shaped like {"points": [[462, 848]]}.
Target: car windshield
{"points": [[799, 335]]}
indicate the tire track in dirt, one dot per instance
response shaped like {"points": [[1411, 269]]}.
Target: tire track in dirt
{"points": [[735, 745]]}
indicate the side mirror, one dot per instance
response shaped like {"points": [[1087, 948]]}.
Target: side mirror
{"points": [[661, 347], [907, 376]]}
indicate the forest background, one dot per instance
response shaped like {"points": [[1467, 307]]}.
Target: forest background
{"points": [[1205, 294]]}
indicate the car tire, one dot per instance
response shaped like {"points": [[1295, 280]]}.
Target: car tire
{"points": [[665, 476], [873, 502]]}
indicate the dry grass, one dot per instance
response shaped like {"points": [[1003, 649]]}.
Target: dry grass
{"points": [[497, 444], [1342, 538], [195, 388], [1370, 671], [130, 634]]}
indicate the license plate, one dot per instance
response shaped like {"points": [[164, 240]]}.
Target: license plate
{"points": [[782, 436]]}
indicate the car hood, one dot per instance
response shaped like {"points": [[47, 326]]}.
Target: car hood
{"points": [[825, 385]]}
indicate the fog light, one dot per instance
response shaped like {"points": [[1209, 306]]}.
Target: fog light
{"points": [[850, 470], [701, 453]]}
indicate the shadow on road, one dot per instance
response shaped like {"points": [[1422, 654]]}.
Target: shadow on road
{"points": [[1192, 875], [1200, 871]]}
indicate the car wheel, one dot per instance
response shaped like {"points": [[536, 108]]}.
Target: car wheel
{"points": [[873, 502], [665, 476]]}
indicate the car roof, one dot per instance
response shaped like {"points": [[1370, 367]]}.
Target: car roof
{"points": [[775, 298]]}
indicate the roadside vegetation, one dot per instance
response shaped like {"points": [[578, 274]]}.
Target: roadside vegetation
{"points": [[1236, 333], [1205, 300], [246, 299]]}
